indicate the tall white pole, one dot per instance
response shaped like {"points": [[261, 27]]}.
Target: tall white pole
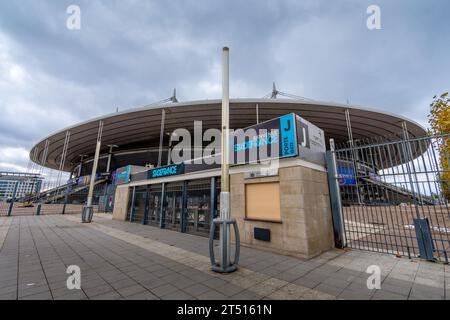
{"points": [[94, 173], [225, 177], [88, 209], [224, 222]]}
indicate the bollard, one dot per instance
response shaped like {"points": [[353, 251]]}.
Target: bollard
{"points": [[38, 209], [224, 265], [86, 216]]}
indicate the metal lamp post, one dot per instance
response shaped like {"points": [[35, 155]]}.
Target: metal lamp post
{"points": [[88, 210], [224, 265]]}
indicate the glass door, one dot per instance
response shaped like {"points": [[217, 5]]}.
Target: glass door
{"points": [[198, 207], [154, 205], [173, 203]]}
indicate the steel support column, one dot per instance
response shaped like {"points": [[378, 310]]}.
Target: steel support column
{"points": [[13, 199], [183, 222], [162, 209], [161, 136], [335, 198], [88, 209], [146, 206], [133, 198]]}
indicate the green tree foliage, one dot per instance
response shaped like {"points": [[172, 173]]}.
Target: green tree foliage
{"points": [[439, 120]]}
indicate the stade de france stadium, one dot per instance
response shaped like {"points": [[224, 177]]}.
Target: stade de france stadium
{"points": [[286, 209]]}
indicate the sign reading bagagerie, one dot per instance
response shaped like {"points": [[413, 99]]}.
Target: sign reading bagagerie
{"points": [[166, 171], [283, 137], [271, 139]]}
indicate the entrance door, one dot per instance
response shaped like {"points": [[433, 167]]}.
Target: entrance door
{"points": [[154, 205], [174, 193], [138, 209], [198, 207]]}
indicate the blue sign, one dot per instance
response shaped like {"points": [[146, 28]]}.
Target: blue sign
{"points": [[167, 171], [288, 136], [277, 138], [346, 176], [122, 175], [259, 141]]}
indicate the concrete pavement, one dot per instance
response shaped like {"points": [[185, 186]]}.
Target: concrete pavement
{"points": [[121, 260]]}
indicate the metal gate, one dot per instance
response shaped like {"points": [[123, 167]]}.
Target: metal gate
{"points": [[393, 196]]}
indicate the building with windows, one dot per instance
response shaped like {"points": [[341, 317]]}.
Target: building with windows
{"points": [[16, 184]]}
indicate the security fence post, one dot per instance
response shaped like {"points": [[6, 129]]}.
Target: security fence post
{"points": [[13, 199], [335, 198]]}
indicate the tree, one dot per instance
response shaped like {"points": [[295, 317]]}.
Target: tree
{"points": [[439, 120]]}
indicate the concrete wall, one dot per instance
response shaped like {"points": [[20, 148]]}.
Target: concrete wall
{"points": [[306, 227], [121, 203]]}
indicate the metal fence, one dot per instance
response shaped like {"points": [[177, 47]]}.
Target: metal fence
{"points": [[65, 199], [393, 196]]}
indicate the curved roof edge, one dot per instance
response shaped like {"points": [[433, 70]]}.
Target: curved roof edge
{"points": [[215, 101]]}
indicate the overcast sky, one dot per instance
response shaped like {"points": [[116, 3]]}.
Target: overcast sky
{"points": [[132, 53]]}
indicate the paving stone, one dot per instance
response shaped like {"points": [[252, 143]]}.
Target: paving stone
{"points": [[246, 295], [386, 295], [128, 257], [107, 296], [143, 296], [229, 289], [164, 290], [32, 290], [177, 295], [196, 289], [349, 294], [77, 295], [306, 282], [212, 295], [122, 283], [39, 296], [129, 291], [334, 291], [92, 292], [8, 296], [214, 282]]}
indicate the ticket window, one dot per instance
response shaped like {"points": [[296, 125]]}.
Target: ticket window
{"points": [[262, 201]]}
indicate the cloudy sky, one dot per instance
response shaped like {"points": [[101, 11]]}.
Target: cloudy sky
{"points": [[132, 53]]}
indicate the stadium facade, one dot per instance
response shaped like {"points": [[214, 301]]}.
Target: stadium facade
{"points": [[286, 208]]}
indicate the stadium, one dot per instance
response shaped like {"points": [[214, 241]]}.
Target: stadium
{"points": [[136, 141], [136, 132]]}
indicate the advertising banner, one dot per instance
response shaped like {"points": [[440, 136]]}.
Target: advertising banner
{"points": [[122, 175]]}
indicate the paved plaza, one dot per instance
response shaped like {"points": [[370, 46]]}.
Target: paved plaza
{"points": [[121, 260]]}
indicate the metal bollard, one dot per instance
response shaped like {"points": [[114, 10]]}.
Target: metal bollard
{"points": [[86, 216], [224, 265], [38, 209]]}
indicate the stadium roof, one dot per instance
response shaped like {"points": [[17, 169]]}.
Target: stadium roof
{"points": [[144, 124]]}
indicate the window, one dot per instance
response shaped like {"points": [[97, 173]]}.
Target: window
{"points": [[262, 201]]}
